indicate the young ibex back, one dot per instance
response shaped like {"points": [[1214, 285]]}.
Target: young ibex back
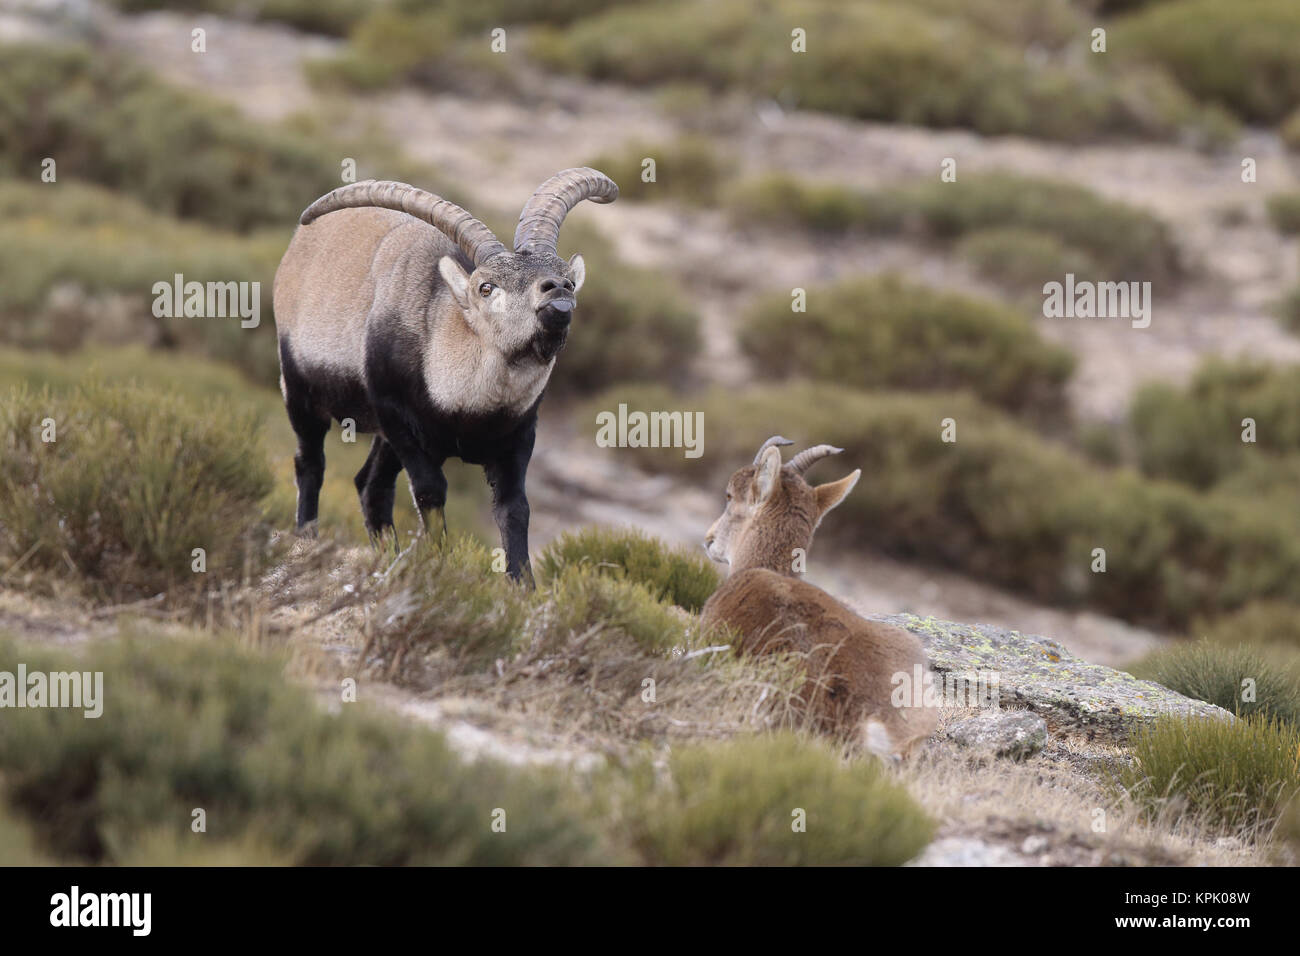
{"points": [[852, 663]]}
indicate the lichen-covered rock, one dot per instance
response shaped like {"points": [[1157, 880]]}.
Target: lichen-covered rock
{"points": [[1038, 674], [1017, 734]]}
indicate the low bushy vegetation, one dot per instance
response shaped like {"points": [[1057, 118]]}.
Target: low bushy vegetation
{"points": [[933, 64], [78, 266], [669, 574], [119, 484], [1123, 242], [688, 170], [631, 324], [446, 599], [1238, 677], [1284, 212], [885, 332], [1001, 502], [1231, 776], [1242, 56], [770, 801], [112, 123], [1022, 261], [197, 724], [1194, 434], [332, 17], [1268, 625]]}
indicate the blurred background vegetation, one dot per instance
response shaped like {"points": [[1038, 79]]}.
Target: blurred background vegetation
{"points": [[157, 176]]}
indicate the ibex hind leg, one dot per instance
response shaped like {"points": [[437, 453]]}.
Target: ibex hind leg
{"points": [[308, 465], [376, 485]]}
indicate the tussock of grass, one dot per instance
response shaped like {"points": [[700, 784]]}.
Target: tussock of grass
{"points": [[684, 578], [198, 725], [133, 482], [738, 803], [441, 601], [1268, 625], [885, 332], [1001, 502], [1238, 677], [1233, 776], [588, 604], [1022, 261], [1123, 242]]}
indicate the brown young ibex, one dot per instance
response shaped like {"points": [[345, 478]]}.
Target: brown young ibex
{"points": [[855, 667]]}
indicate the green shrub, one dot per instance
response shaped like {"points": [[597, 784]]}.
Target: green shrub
{"points": [[112, 123], [194, 723], [446, 600], [670, 574], [688, 169], [1194, 435], [884, 332], [1001, 502], [737, 803], [1234, 775], [1290, 131], [583, 601], [78, 264], [1127, 243], [1268, 625], [1022, 261], [1227, 675], [1284, 212], [133, 481], [332, 17], [878, 60], [1243, 55], [631, 324]]}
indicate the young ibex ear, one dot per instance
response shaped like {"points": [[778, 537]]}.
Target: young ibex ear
{"points": [[833, 492], [768, 475], [457, 280], [577, 270]]}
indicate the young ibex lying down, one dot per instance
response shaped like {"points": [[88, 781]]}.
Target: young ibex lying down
{"points": [[402, 312], [852, 663]]}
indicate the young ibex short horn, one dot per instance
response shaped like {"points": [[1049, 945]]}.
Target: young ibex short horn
{"points": [[855, 666], [402, 312]]}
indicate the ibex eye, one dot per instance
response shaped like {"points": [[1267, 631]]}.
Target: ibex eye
{"points": [[485, 289]]}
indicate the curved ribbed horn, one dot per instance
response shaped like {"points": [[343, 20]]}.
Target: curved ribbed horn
{"points": [[539, 223], [467, 232], [810, 456], [774, 440]]}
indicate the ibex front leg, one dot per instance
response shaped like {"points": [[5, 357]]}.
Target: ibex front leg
{"points": [[510, 507]]}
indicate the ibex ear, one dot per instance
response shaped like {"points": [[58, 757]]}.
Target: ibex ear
{"points": [[768, 474], [833, 492], [457, 280], [577, 271]]}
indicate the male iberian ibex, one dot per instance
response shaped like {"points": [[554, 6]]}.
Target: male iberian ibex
{"points": [[402, 312], [854, 666]]}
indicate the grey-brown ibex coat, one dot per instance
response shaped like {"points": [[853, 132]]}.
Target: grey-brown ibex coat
{"points": [[861, 674]]}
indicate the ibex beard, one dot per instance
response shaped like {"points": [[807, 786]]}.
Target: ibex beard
{"points": [[402, 312]]}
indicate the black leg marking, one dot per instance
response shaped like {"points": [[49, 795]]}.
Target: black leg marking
{"points": [[510, 506], [376, 484]]}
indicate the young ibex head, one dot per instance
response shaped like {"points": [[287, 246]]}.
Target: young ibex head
{"points": [[772, 509], [519, 301]]}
